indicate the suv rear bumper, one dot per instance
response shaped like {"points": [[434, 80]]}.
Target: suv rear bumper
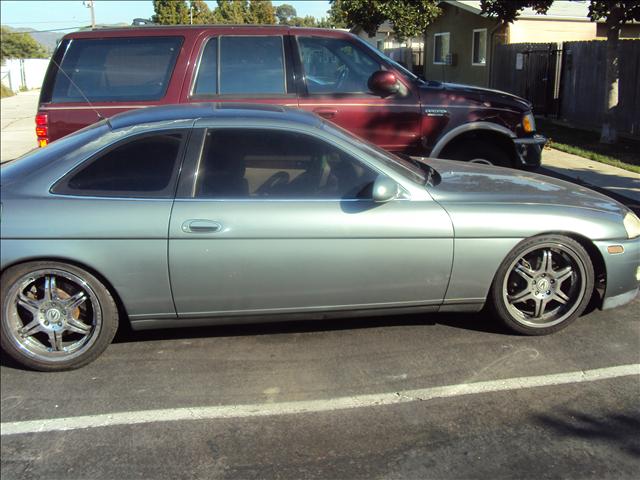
{"points": [[529, 150]]}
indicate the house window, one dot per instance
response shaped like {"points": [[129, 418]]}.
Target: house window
{"points": [[440, 48], [479, 47]]}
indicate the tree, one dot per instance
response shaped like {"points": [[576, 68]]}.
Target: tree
{"points": [[285, 13], [20, 45], [336, 18], [615, 14], [261, 12], [231, 11], [199, 13], [409, 18], [170, 12]]}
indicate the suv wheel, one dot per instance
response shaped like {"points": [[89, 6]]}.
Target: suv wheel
{"points": [[475, 151]]}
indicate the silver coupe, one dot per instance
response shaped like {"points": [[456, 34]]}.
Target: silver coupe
{"points": [[209, 214]]}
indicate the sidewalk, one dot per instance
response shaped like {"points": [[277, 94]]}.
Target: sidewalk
{"points": [[587, 172], [18, 122]]}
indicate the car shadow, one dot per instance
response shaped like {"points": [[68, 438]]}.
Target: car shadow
{"points": [[615, 429], [480, 322]]}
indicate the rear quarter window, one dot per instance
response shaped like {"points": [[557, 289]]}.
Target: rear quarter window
{"points": [[143, 167], [116, 69]]}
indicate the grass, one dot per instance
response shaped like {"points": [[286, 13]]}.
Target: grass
{"points": [[5, 91], [624, 154]]}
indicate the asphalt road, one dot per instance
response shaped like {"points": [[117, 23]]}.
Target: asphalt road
{"points": [[580, 430]]}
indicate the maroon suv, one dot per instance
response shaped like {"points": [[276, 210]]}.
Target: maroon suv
{"points": [[337, 75]]}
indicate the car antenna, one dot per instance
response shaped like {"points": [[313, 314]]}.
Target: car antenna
{"points": [[83, 95]]}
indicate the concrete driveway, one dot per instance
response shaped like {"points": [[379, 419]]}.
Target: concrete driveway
{"points": [[18, 134]]}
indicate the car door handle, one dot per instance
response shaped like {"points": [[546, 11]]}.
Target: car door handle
{"points": [[326, 112], [201, 226]]}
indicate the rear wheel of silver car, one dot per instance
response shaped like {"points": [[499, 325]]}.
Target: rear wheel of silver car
{"points": [[543, 285], [55, 316]]}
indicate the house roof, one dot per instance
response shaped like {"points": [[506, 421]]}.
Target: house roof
{"points": [[576, 10]]}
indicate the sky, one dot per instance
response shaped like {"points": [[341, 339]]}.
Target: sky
{"points": [[65, 15]]}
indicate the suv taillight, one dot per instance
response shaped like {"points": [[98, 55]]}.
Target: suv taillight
{"points": [[42, 129]]}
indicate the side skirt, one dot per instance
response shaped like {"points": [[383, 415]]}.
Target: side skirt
{"points": [[154, 323]]}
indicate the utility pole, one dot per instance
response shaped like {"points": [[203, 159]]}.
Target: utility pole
{"points": [[89, 5]]}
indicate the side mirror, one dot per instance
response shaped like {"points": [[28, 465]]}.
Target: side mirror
{"points": [[384, 189], [383, 83]]}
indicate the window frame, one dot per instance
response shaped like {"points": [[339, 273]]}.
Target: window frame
{"points": [[441, 34], [61, 186], [473, 47], [289, 84], [303, 74], [190, 171]]}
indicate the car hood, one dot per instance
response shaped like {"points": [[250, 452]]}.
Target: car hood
{"points": [[459, 182], [487, 97]]}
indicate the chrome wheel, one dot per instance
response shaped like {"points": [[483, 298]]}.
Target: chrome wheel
{"points": [[544, 285], [52, 315]]}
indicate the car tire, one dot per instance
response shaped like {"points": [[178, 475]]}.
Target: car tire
{"points": [[55, 316], [543, 285], [479, 152]]}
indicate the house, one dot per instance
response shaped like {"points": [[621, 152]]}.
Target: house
{"points": [[460, 43]]}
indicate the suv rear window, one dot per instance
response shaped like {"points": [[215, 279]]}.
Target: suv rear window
{"points": [[116, 69]]}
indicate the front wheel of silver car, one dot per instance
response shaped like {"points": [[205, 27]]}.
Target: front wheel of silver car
{"points": [[55, 316], [543, 285]]}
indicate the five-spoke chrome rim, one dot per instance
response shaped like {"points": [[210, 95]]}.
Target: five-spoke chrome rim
{"points": [[52, 315], [545, 285]]}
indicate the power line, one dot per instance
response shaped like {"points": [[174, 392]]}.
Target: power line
{"points": [[33, 23], [53, 29]]}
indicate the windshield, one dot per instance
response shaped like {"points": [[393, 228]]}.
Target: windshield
{"points": [[394, 162]]}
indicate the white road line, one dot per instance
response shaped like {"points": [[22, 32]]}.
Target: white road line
{"points": [[312, 406]]}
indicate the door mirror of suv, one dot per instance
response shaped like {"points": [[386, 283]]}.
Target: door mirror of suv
{"points": [[383, 83], [384, 189]]}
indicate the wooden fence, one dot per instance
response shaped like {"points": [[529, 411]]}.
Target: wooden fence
{"points": [[583, 84], [529, 70], [568, 80]]}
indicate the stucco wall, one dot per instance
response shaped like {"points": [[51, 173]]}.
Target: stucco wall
{"points": [[460, 25], [28, 73], [543, 31]]}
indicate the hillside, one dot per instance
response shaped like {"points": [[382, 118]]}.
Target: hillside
{"points": [[47, 39]]}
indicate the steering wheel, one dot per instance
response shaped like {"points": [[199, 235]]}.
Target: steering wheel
{"points": [[273, 181]]}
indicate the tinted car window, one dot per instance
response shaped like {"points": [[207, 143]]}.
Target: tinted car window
{"points": [[143, 167], [332, 65], [116, 69], [207, 80], [281, 165], [251, 65]]}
